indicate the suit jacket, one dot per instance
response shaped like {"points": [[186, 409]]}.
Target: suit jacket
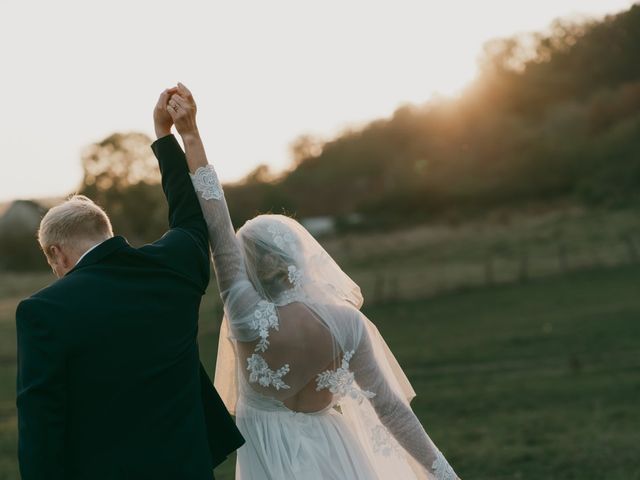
{"points": [[110, 385]]}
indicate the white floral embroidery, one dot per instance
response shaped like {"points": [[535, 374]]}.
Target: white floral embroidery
{"points": [[291, 295], [264, 318], [340, 382], [295, 276], [383, 443], [206, 182], [441, 468], [283, 238], [261, 373]]}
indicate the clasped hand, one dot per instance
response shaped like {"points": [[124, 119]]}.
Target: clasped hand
{"points": [[175, 106]]}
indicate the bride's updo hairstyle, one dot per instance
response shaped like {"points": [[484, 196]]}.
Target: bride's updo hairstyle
{"points": [[282, 257], [271, 248]]}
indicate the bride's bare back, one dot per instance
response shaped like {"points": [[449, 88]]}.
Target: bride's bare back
{"points": [[305, 343]]}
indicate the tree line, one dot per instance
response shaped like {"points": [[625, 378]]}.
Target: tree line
{"points": [[551, 116]]}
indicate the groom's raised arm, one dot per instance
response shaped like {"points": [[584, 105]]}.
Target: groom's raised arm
{"points": [[186, 244], [184, 209]]}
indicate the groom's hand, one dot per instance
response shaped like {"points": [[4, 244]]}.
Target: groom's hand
{"points": [[161, 119], [182, 108]]}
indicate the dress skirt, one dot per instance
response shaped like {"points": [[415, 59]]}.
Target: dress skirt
{"points": [[286, 445]]}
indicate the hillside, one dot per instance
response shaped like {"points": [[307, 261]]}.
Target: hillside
{"points": [[551, 122], [550, 117]]}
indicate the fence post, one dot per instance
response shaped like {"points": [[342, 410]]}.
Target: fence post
{"points": [[523, 272]]}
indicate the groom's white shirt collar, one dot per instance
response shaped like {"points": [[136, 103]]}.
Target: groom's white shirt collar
{"points": [[85, 253]]}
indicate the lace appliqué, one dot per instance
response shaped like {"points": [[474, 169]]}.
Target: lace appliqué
{"points": [[286, 241], [441, 468], [261, 373], [206, 182], [295, 276], [340, 382], [283, 239], [290, 296], [383, 443], [264, 318]]}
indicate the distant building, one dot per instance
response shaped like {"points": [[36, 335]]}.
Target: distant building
{"points": [[21, 217], [326, 225], [19, 222], [318, 226], [19, 248]]}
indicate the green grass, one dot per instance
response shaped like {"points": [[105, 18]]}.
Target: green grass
{"points": [[534, 381], [521, 381], [540, 380], [495, 248]]}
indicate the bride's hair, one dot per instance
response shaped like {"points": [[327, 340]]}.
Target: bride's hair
{"points": [[280, 254], [77, 219], [267, 261]]}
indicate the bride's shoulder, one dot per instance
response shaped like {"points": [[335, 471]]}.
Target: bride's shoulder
{"points": [[347, 320], [343, 311]]}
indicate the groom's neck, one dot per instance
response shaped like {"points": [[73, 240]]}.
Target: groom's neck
{"points": [[81, 249]]}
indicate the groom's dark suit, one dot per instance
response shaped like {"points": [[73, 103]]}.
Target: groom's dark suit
{"points": [[110, 386]]}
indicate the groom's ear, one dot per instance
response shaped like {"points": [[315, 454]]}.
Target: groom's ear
{"points": [[60, 260], [50, 251]]}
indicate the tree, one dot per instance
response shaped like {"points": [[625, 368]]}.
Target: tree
{"points": [[305, 147], [119, 161], [121, 174]]}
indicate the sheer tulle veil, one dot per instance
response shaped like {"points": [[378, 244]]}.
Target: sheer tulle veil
{"points": [[285, 264]]}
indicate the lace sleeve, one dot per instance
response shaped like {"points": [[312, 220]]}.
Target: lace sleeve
{"points": [[395, 413], [240, 298]]}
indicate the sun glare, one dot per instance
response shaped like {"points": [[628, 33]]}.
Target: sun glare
{"points": [[265, 73]]}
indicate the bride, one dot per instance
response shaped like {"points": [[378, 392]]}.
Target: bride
{"points": [[315, 390]]}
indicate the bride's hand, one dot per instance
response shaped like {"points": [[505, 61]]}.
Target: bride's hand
{"points": [[161, 119], [182, 108]]}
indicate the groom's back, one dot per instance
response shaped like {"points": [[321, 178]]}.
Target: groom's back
{"points": [[133, 400], [109, 383]]}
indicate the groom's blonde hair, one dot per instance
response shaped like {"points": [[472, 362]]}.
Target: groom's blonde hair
{"points": [[78, 219]]}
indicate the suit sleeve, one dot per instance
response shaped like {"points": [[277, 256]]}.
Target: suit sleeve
{"points": [[41, 393], [188, 230]]}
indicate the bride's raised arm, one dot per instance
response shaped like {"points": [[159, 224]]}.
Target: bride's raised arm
{"points": [[239, 297]]}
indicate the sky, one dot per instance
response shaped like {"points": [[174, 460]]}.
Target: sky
{"points": [[262, 73]]}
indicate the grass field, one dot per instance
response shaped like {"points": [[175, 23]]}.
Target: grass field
{"points": [[495, 248], [522, 381], [532, 381]]}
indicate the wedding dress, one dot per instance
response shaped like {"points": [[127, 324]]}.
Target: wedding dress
{"points": [[315, 390]]}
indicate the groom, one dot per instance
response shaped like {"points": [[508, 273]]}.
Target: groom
{"points": [[110, 386]]}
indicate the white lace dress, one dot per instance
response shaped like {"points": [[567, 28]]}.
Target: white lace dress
{"points": [[281, 348]]}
